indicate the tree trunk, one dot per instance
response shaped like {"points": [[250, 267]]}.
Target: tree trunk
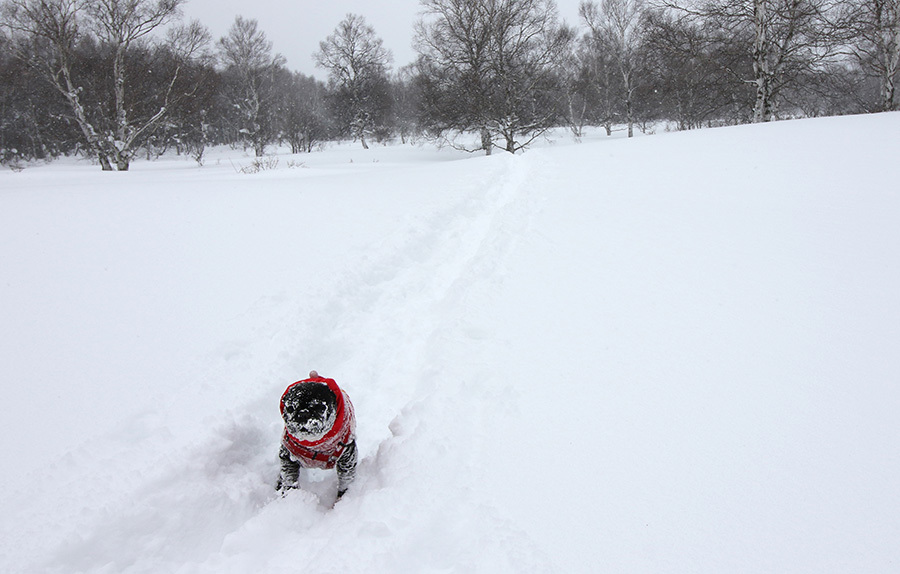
{"points": [[891, 57], [105, 164], [90, 134], [762, 109], [887, 93], [487, 143], [510, 143], [628, 79], [629, 115], [120, 151]]}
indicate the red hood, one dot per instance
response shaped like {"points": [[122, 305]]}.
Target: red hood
{"points": [[324, 452]]}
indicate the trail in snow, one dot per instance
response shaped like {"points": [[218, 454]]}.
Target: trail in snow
{"points": [[381, 330]]}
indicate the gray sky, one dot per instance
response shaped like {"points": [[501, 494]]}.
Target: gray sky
{"points": [[296, 27]]}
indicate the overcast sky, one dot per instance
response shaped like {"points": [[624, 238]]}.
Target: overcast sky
{"points": [[296, 27]]}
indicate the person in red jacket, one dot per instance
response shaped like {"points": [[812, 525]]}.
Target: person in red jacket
{"points": [[319, 432]]}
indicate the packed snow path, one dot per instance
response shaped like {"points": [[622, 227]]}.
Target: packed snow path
{"points": [[674, 353]]}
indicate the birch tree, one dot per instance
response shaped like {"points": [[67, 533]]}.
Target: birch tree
{"points": [[251, 68], [784, 39], [55, 28], [33, 122], [873, 30], [489, 66], [573, 69], [616, 29], [357, 64], [53, 25], [118, 24], [699, 72], [453, 39], [302, 107]]}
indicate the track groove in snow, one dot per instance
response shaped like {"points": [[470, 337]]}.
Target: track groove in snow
{"points": [[422, 276]]}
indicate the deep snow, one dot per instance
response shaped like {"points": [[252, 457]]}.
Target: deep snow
{"points": [[676, 353]]}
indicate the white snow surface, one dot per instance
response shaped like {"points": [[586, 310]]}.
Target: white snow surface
{"points": [[677, 353]]}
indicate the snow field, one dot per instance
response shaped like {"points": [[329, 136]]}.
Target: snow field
{"points": [[674, 353], [715, 329]]}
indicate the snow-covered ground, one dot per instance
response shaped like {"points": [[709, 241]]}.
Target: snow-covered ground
{"points": [[677, 353]]}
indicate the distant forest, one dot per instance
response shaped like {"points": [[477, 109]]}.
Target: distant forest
{"points": [[117, 79]]}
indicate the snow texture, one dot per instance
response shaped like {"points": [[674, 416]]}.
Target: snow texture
{"points": [[675, 353]]}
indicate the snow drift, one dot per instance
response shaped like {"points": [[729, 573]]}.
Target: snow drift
{"points": [[668, 354]]}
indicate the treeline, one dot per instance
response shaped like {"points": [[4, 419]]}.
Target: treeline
{"points": [[100, 78]]}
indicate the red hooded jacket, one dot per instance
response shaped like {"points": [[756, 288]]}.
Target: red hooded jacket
{"points": [[324, 452]]}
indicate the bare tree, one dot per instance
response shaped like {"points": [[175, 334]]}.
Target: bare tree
{"points": [[33, 122], [406, 101], [527, 44], [302, 111], [118, 24], [56, 27], [574, 71], [872, 28], [490, 66], [616, 28], [785, 39], [251, 68], [698, 72], [453, 39], [53, 27], [357, 64]]}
